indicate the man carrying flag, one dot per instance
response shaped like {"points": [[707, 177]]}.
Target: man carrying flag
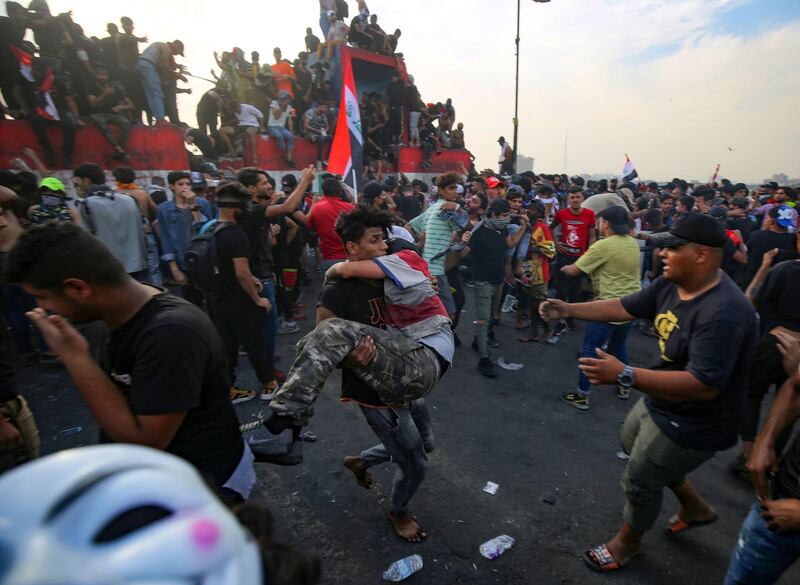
{"points": [[346, 152]]}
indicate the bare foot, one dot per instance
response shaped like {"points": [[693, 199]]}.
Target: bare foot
{"points": [[406, 527], [363, 477]]}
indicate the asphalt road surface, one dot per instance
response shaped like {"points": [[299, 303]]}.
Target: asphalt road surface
{"points": [[556, 467]]}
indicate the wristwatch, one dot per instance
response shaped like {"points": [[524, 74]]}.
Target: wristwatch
{"points": [[627, 379]]}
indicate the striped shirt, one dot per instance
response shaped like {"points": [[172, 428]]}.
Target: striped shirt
{"points": [[438, 235]]}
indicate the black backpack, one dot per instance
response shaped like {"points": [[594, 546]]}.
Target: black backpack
{"points": [[202, 261]]}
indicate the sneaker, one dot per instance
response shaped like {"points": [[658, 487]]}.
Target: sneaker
{"points": [[288, 327], [238, 395], [623, 393], [486, 367], [576, 399], [279, 375], [560, 329], [268, 390], [279, 449], [508, 303]]}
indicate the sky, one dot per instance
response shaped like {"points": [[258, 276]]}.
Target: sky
{"points": [[678, 85]]}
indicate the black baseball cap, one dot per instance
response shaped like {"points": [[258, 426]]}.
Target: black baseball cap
{"points": [[288, 183], [695, 228], [210, 168], [617, 217]]}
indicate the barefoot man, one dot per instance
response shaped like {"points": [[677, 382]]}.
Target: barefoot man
{"points": [[707, 333], [395, 366], [362, 300]]}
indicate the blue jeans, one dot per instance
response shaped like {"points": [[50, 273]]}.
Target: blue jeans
{"points": [[761, 555], [324, 24], [283, 136], [151, 82], [268, 292], [153, 260], [406, 437], [598, 335]]}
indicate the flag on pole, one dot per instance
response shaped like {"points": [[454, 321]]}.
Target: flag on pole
{"points": [[346, 151], [629, 174], [716, 174]]}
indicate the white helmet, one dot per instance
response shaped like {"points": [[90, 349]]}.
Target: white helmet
{"points": [[119, 514]]}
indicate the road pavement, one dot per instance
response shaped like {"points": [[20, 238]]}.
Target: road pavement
{"points": [[557, 469]]}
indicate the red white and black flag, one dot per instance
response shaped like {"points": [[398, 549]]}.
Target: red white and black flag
{"points": [[346, 158], [44, 104], [629, 174]]}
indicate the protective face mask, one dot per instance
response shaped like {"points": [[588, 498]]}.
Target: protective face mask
{"points": [[51, 201]]}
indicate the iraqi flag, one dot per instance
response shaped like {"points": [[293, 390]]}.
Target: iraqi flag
{"points": [[25, 62], [346, 151], [629, 174]]}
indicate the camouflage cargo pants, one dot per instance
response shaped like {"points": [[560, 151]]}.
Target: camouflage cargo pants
{"points": [[403, 370]]}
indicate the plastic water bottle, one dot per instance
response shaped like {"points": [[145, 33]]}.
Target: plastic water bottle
{"points": [[492, 549], [403, 568]]}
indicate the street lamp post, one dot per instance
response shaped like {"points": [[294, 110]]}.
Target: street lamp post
{"points": [[516, 86]]}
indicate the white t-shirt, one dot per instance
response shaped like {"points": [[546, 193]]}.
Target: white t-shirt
{"points": [[337, 32], [281, 119], [248, 115]]}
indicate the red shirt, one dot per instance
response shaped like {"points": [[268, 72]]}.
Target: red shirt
{"points": [[284, 68], [322, 219], [574, 229]]}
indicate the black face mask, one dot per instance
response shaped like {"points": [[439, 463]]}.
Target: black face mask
{"points": [[243, 209]]}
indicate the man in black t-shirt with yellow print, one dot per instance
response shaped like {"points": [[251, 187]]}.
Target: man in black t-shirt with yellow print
{"points": [[707, 334]]}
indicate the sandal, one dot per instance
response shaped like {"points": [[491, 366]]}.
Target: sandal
{"points": [[599, 559], [676, 524]]}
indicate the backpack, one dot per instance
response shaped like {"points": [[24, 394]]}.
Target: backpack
{"points": [[202, 261]]}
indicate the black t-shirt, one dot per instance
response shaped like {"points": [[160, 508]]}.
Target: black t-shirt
{"points": [[361, 301], [232, 242], [777, 298], [789, 474], [762, 242], [256, 226], [169, 358], [488, 252], [312, 42], [712, 337], [408, 207], [729, 265]]}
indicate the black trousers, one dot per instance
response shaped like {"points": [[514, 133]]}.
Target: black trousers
{"points": [[569, 288], [241, 322], [767, 369]]}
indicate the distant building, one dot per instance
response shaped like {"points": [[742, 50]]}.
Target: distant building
{"points": [[524, 163]]}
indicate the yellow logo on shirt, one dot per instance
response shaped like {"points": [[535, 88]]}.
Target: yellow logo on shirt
{"points": [[665, 324]]}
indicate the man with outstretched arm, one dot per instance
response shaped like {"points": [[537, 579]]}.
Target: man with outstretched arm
{"points": [[707, 331]]}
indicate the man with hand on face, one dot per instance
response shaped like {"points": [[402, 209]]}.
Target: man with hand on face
{"points": [[179, 220], [707, 334], [162, 382]]}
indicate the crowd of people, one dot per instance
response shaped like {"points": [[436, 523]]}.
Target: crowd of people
{"points": [[687, 264], [70, 79]]}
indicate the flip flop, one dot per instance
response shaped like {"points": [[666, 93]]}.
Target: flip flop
{"points": [[676, 524], [599, 559]]}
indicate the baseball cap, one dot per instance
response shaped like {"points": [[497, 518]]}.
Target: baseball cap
{"points": [[515, 190], [784, 218], [493, 182], [289, 182], [372, 190], [770, 185], [694, 228], [718, 212], [198, 180], [179, 45], [209, 168], [52, 184], [617, 217]]}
